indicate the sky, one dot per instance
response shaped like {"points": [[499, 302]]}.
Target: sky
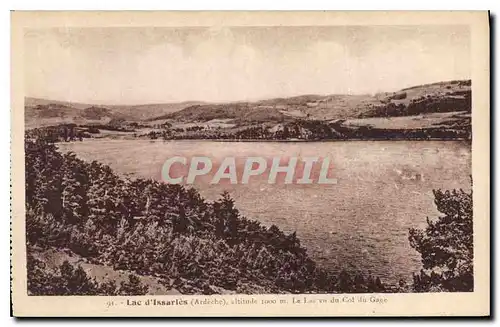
{"points": [[139, 65]]}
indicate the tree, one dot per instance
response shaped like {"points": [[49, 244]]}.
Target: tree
{"points": [[75, 281], [446, 245], [227, 224], [133, 286]]}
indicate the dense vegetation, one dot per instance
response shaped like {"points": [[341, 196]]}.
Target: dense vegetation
{"points": [[73, 132], [68, 280], [167, 231], [96, 113], [446, 246], [453, 101], [62, 132]]}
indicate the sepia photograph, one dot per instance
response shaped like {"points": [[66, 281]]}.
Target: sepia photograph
{"points": [[163, 162]]}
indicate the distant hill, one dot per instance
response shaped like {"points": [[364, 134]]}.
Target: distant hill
{"points": [[424, 99], [43, 112], [33, 102], [96, 113], [439, 97], [238, 111], [149, 112]]}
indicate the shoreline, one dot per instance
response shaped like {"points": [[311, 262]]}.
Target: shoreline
{"points": [[319, 141], [290, 140]]}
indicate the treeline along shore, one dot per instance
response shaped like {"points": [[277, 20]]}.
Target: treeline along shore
{"points": [[315, 130], [297, 131], [148, 228]]}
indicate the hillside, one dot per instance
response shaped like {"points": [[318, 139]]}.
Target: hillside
{"points": [[148, 111], [33, 102], [439, 97], [53, 259], [241, 112], [43, 112], [276, 110]]}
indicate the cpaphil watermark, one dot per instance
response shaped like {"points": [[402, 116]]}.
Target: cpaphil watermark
{"points": [[234, 170]]}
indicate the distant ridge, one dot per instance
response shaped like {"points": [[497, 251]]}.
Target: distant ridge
{"points": [[42, 112], [434, 97], [444, 96]]}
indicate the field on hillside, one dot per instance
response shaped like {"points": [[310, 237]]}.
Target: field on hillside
{"points": [[418, 121]]}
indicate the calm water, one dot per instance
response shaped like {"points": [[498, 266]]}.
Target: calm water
{"points": [[361, 223]]}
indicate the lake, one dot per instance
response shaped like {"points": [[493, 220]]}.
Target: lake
{"points": [[361, 223]]}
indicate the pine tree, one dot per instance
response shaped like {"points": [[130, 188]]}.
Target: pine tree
{"points": [[227, 218], [446, 245]]}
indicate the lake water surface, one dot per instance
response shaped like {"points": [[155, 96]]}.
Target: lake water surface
{"points": [[361, 223]]}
